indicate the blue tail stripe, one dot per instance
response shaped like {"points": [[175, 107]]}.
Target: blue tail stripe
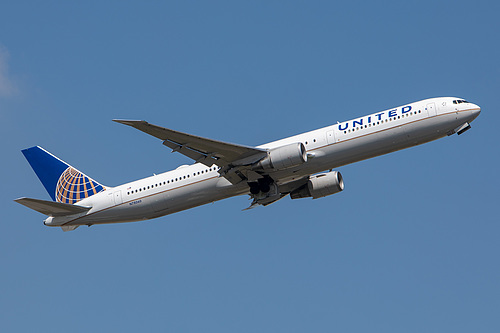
{"points": [[47, 167]]}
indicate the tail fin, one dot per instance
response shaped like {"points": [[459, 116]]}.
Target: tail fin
{"points": [[63, 182]]}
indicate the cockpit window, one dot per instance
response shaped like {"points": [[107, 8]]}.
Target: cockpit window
{"points": [[459, 101]]}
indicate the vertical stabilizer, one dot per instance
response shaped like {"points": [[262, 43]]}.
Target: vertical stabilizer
{"points": [[63, 182]]}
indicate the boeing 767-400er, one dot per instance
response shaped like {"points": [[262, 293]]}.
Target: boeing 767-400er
{"points": [[267, 173]]}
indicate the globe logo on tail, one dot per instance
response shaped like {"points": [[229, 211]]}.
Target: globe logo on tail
{"points": [[74, 186]]}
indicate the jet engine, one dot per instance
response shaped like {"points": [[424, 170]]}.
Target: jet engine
{"points": [[319, 186], [283, 157]]}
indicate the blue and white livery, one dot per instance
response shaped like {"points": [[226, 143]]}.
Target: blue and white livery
{"points": [[293, 166]]}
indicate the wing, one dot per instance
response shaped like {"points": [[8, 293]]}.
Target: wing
{"points": [[230, 157]]}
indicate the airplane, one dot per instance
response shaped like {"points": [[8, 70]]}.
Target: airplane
{"points": [[300, 166]]}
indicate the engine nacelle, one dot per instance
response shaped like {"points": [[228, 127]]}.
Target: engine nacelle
{"points": [[319, 186], [284, 157]]}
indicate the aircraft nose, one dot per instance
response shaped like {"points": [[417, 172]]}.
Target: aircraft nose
{"points": [[476, 110]]}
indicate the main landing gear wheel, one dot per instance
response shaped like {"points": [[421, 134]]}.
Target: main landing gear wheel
{"points": [[262, 185], [254, 188]]}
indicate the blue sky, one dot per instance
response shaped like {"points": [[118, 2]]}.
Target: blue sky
{"points": [[411, 245]]}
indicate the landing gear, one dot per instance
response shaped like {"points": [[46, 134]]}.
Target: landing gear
{"points": [[254, 188], [262, 185], [264, 191]]}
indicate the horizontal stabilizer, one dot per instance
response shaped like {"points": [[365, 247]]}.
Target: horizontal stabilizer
{"points": [[51, 208]]}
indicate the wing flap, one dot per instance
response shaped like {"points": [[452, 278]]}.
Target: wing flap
{"points": [[52, 208], [193, 154], [66, 228]]}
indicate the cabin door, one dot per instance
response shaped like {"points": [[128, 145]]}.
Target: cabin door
{"points": [[118, 197], [330, 137], [431, 109]]}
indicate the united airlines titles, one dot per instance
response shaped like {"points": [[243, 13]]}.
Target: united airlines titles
{"points": [[375, 117]]}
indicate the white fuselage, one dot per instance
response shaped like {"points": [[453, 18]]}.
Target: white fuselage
{"points": [[330, 147]]}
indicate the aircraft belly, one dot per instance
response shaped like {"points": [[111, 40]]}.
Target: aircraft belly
{"points": [[202, 193], [164, 203], [435, 128], [116, 214], [360, 148]]}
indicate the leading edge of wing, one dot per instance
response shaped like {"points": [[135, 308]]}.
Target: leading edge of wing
{"points": [[200, 149]]}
